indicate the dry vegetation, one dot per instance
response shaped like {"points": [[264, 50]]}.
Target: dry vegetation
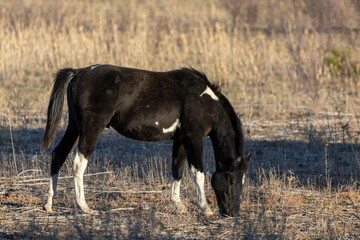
{"points": [[291, 68]]}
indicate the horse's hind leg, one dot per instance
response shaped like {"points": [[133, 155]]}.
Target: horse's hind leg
{"points": [[178, 164], [79, 166], [90, 132], [58, 158]]}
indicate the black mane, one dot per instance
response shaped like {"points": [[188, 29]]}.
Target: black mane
{"points": [[236, 123], [215, 86]]}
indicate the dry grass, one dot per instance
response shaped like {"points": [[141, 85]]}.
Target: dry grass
{"points": [[289, 193], [277, 63], [272, 208], [300, 116]]}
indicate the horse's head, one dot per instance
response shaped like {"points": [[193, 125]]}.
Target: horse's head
{"points": [[228, 184]]}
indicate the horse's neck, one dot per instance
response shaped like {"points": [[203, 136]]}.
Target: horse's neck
{"points": [[224, 142]]}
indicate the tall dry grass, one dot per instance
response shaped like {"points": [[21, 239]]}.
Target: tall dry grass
{"points": [[264, 53]]}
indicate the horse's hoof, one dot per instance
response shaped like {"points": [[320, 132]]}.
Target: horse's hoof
{"points": [[48, 208], [92, 212], [87, 210], [180, 208], [207, 212]]}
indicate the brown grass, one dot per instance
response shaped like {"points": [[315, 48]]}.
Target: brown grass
{"points": [[300, 117], [277, 63]]}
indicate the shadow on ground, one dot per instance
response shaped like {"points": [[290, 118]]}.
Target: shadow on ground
{"points": [[314, 162]]}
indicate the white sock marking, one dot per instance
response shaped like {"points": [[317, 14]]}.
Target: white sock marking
{"points": [[80, 163], [199, 178], [173, 127], [243, 180], [175, 191], [51, 192], [209, 92]]}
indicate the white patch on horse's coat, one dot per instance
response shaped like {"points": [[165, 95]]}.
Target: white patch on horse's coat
{"points": [[209, 92], [173, 127], [175, 196], [157, 123], [175, 191], [95, 66], [243, 180], [199, 178], [51, 192], [79, 166]]}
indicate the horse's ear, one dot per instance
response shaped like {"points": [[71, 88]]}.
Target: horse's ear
{"points": [[237, 162], [242, 160], [248, 157]]}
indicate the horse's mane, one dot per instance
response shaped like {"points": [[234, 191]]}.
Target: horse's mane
{"points": [[215, 87], [236, 122]]}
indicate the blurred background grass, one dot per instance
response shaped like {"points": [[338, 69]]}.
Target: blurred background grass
{"points": [[270, 56]]}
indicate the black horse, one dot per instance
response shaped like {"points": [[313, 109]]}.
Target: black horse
{"points": [[181, 105]]}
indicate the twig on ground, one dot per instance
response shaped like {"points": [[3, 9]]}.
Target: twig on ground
{"points": [[129, 192], [29, 170], [66, 177], [128, 209]]}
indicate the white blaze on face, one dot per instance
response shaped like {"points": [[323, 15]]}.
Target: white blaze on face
{"points": [[173, 127], [209, 92], [243, 179]]}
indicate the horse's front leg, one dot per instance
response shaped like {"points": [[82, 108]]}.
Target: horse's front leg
{"points": [[199, 178], [194, 153]]}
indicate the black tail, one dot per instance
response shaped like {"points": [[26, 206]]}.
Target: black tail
{"points": [[56, 103]]}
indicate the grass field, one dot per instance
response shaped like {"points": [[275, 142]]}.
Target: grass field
{"points": [[290, 68]]}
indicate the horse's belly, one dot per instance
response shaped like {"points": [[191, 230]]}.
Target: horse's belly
{"points": [[147, 128], [144, 133]]}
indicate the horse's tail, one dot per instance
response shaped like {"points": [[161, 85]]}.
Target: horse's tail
{"points": [[56, 103]]}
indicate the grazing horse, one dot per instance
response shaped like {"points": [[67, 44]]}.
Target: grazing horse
{"points": [[182, 105]]}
